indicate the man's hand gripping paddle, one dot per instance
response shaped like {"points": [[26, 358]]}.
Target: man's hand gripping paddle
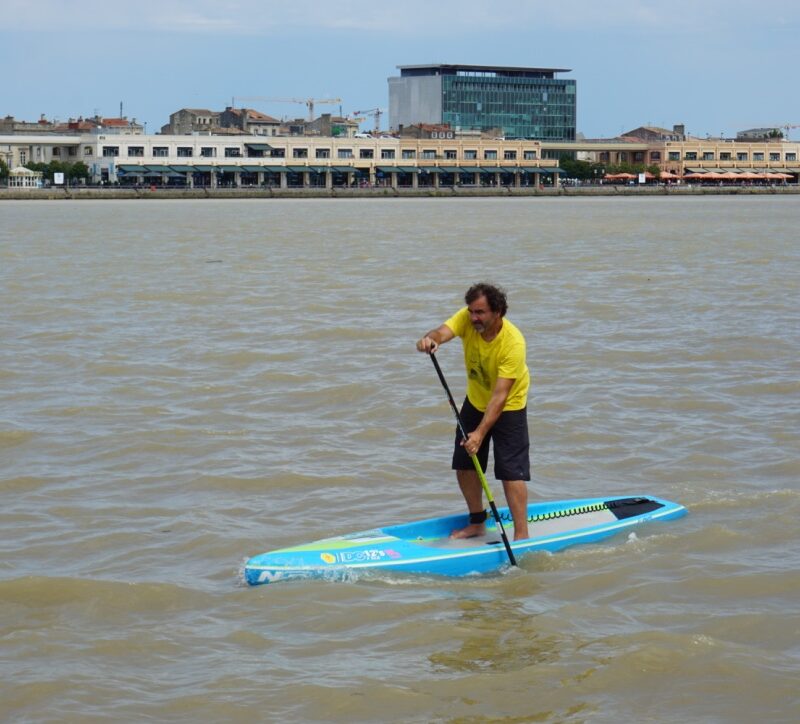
{"points": [[475, 462]]}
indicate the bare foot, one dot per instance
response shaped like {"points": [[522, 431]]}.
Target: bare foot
{"points": [[471, 531]]}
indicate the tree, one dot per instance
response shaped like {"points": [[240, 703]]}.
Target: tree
{"points": [[3, 170], [583, 170], [78, 171]]}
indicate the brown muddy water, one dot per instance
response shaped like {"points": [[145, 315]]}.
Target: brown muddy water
{"points": [[186, 384]]}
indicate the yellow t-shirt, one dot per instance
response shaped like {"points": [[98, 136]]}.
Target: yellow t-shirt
{"points": [[485, 361]]}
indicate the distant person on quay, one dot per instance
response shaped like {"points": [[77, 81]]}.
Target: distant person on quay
{"points": [[495, 408]]}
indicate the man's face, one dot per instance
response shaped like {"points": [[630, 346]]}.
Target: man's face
{"points": [[481, 316]]}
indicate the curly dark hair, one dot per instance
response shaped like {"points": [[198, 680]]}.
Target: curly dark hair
{"points": [[495, 297]]}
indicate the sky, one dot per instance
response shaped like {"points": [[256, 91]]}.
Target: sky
{"points": [[716, 66]]}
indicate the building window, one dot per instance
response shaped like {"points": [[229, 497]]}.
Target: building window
{"points": [[345, 153], [509, 155], [366, 153], [791, 156], [135, 151], [741, 156], [387, 153], [57, 151], [471, 155], [277, 153], [160, 151], [638, 156], [758, 156], [674, 155], [323, 153], [708, 155], [451, 155], [299, 153], [529, 155], [233, 152], [409, 153], [691, 156], [428, 153], [490, 155], [87, 151], [208, 151], [725, 156], [655, 155], [110, 151], [185, 151], [774, 157], [72, 151]]}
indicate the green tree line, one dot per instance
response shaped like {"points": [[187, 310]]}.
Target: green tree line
{"points": [[71, 171], [586, 170]]}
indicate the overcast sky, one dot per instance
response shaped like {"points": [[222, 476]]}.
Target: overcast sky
{"points": [[717, 66]]}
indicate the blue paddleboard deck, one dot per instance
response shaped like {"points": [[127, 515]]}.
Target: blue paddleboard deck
{"points": [[425, 546]]}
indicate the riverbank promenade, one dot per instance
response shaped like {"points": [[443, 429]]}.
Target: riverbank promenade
{"points": [[382, 192]]}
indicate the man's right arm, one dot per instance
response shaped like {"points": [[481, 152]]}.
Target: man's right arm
{"points": [[431, 341]]}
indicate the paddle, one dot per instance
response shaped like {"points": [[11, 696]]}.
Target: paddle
{"points": [[478, 469]]}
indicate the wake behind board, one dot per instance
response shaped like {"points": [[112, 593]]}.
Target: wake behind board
{"points": [[425, 546]]}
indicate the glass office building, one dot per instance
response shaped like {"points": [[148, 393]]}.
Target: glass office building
{"points": [[521, 102]]}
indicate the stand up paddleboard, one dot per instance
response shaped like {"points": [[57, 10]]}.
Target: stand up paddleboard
{"points": [[425, 546]]}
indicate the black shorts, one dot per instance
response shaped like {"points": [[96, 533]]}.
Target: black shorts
{"points": [[511, 443]]}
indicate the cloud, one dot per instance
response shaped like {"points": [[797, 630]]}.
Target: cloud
{"points": [[423, 18]]}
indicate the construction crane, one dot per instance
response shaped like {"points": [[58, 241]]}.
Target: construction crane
{"points": [[376, 113], [786, 127], [308, 102]]}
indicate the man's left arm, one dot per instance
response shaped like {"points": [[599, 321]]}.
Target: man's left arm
{"points": [[495, 407]]}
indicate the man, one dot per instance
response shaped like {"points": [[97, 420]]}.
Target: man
{"points": [[495, 407]]}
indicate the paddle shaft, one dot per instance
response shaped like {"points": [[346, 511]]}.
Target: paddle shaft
{"points": [[475, 462]]}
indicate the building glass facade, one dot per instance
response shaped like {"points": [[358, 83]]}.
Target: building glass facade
{"points": [[521, 102]]}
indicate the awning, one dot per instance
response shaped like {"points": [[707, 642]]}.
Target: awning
{"points": [[495, 169], [398, 169], [319, 169], [183, 169], [132, 169], [297, 169], [273, 169], [251, 169], [229, 168], [342, 169], [530, 169], [258, 146], [205, 168], [158, 169], [470, 169], [552, 169], [429, 169], [449, 169]]}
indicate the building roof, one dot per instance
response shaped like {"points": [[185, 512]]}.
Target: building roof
{"points": [[260, 117], [499, 69], [253, 115]]}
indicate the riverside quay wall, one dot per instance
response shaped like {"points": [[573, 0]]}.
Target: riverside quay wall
{"points": [[155, 193]]}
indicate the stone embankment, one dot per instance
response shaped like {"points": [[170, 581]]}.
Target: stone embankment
{"points": [[385, 192]]}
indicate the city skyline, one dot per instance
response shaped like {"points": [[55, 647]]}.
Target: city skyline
{"points": [[717, 67]]}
